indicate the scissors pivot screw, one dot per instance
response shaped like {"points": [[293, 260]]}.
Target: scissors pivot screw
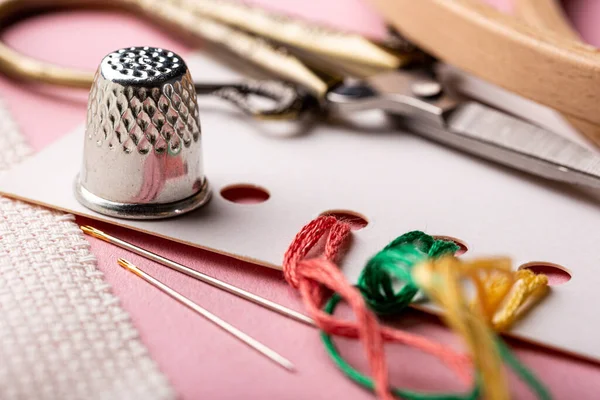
{"points": [[426, 89]]}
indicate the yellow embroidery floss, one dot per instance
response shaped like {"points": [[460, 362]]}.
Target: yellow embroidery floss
{"points": [[527, 291], [501, 297], [442, 281]]}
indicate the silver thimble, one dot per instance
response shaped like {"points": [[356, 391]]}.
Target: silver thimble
{"points": [[142, 155]]}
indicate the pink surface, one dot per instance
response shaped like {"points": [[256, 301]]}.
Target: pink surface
{"points": [[201, 361]]}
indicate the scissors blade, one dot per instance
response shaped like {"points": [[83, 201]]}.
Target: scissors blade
{"points": [[470, 126], [494, 135]]}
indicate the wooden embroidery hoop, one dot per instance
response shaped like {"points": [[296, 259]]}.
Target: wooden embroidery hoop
{"points": [[537, 56]]}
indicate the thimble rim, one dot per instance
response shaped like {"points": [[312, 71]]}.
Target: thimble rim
{"points": [[142, 211]]}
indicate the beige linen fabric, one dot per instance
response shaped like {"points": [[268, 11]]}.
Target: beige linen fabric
{"points": [[63, 334]]}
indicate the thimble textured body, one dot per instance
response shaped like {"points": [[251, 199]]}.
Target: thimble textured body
{"points": [[142, 148]]}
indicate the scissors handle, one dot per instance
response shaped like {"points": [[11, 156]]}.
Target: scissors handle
{"points": [[183, 20], [346, 46], [272, 58], [20, 66], [284, 101]]}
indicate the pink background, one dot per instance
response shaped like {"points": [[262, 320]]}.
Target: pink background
{"points": [[201, 361]]}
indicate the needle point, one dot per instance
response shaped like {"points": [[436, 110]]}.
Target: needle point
{"points": [[289, 366], [253, 343]]}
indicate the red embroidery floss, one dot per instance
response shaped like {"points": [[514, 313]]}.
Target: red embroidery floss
{"points": [[315, 276]]}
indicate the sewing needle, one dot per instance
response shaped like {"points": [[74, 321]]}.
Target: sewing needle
{"points": [[199, 276], [253, 343]]}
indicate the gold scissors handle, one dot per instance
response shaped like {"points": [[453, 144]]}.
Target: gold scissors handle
{"points": [[267, 56], [284, 100], [345, 46], [227, 24], [558, 72], [23, 67]]}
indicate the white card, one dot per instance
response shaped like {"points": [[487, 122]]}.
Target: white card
{"points": [[398, 181]]}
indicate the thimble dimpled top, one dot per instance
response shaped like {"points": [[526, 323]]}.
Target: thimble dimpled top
{"points": [[142, 149]]}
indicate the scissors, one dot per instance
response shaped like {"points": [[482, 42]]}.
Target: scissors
{"points": [[395, 75]]}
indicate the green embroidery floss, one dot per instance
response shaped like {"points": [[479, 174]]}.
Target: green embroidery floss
{"points": [[392, 267], [367, 382]]}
